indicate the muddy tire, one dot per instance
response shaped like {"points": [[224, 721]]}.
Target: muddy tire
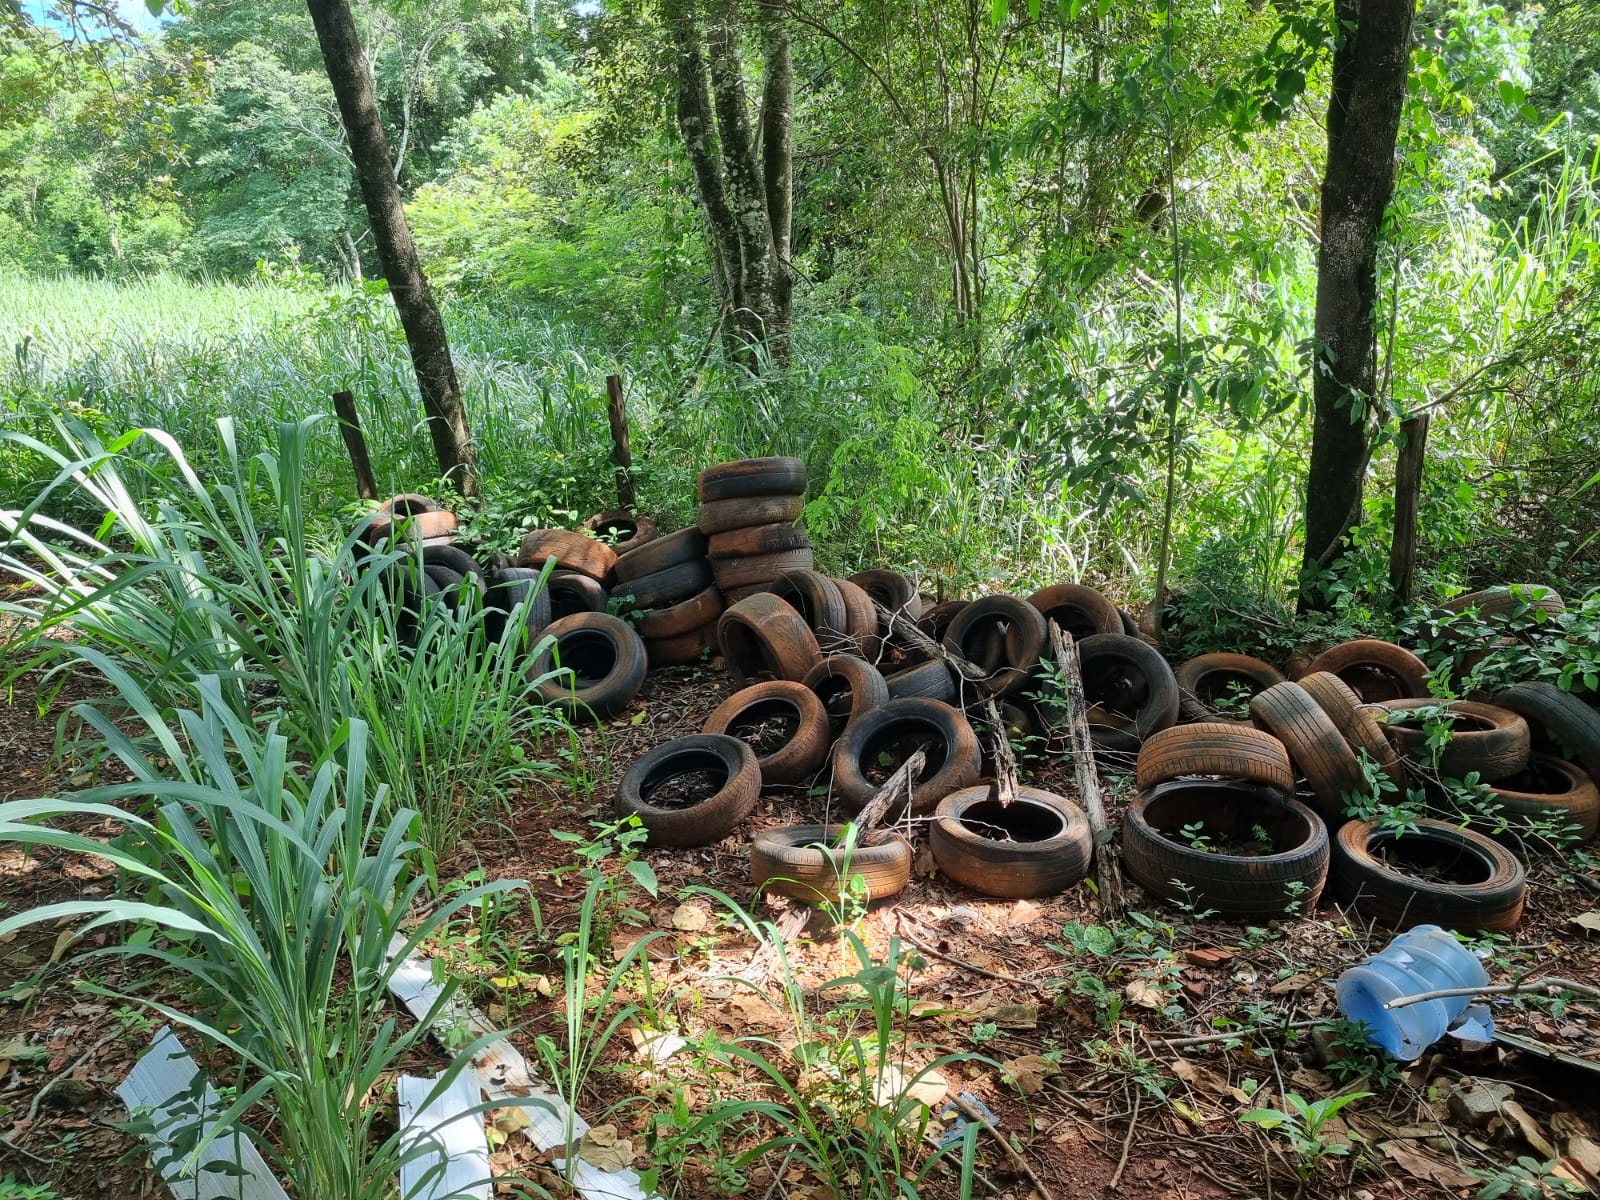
{"points": [[757, 539], [931, 680], [1378, 672], [1038, 845], [1203, 680], [1482, 889], [895, 730], [890, 589], [1079, 610], [935, 621], [1315, 745], [1526, 598], [762, 635], [572, 552], [1354, 722], [666, 587], [799, 747], [683, 546], [1493, 741], [1552, 789], [752, 477], [816, 598], [606, 661], [794, 862], [848, 687], [1004, 635], [572, 593], [1558, 721], [432, 526], [1218, 748], [861, 620], [719, 516], [683, 649], [698, 611], [1129, 688], [509, 587], [621, 530], [1238, 887], [759, 570], [725, 765]]}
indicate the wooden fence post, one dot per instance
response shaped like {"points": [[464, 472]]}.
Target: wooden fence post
{"points": [[617, 414], [344, 404]]}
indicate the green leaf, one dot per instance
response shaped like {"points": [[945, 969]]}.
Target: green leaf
{"points": [[644, 875], [1267, 1118], [1097, 939], [998, 13], [1033, 9]]}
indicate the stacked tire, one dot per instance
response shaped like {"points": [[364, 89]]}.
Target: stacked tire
{"points": [[666, 587], [748, 514]]}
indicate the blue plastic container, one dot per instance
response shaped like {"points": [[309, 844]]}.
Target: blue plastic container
{"points": [[1423, 959]]}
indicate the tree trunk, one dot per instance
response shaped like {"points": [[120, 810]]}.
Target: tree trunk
{"points": [[777, 165], [1370, 61], [1407, 500], [424, 329]]}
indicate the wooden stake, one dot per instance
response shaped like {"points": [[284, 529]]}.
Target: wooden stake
{"points": [[1004, 787], [344, 404], [1108, 874], [617, 415], [1407, 499], [878, 807]]}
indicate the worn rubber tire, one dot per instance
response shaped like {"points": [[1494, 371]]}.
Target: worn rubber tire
{"points": [[668, 551], [861, 619], [1221, 748], [1079, 610], [666, 587], [1509, 598], [1354, 722], [1129, 688], [841, 675], [1315, 745], [508, 587], [698, 611], [1201, 679], [751, 477], [707, 821], [757, 539], [572, 552], [953, 755], [409, 504], [758, 570], [890, 589], [572, 593], [621, 530], [607, 659], [1130, 626], [931, 679], [1492, 899], [1375, 671], [1239, 887], [1496, 745], [451, 583], [433, 526], [817, 600], [1020, 650], [763, 635], [1552, 788], [719, 516], [683, 649], [791, 862], [1051, 854], [935, 621], [1559, 719], [803, 752]]}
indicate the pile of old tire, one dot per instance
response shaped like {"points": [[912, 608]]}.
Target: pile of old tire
{"points": [[412, 517], [666, 589], [748, 510], [580, 568], [1216, 827]]}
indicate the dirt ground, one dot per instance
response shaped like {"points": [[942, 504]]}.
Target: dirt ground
{"points": [[1142, 1107]]}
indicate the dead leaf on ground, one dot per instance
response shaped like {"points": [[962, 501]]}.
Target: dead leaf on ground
{"points": [[1586, 1155], [1309, 1079], [1294, 983], [602, 1147], [1201, 1078], [1024, 912], [1425, 1166], [1588, 920], [1145, 994], [1028, 1073], [1529, 1128], [1015, 1016], [690, 917]]}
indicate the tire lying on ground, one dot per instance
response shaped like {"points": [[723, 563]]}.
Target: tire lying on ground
{"points": [[1004, 635], [1552, 790], [1315, 745], [601, 665], [620, 529], [1037, 845], [719, 516], [1375, 671], [1079, 610], [894, 731], [763, 635], [932, 679], [1354, 723], [847, 686], [692, 790], [757, 539], [424, 525], [683, 546], [1530, 598], [666, 587], [572, 552], [1435, 874], [808, 863], [699, 610], [935, 621], [572, 593], [1557, 720], [683, 649], [1217, 748], [1495, 742], [1208, 679], [752, 477], [1284, 880], [509, 587], [783, 722], [1129, 688]]}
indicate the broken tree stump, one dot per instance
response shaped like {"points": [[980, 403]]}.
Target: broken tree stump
{"points": [[355, 444], [1004, 786], [1107, 871], [873, 812]]}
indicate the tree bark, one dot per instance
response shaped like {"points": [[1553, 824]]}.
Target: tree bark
{"points": [[777, 166], [1370, 60], [419, 316], [1407, 500]]}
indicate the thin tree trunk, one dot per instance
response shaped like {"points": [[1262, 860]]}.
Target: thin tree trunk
{"points": [[777, 166], [1407, 500], [424, 329], [1370, 62]]}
